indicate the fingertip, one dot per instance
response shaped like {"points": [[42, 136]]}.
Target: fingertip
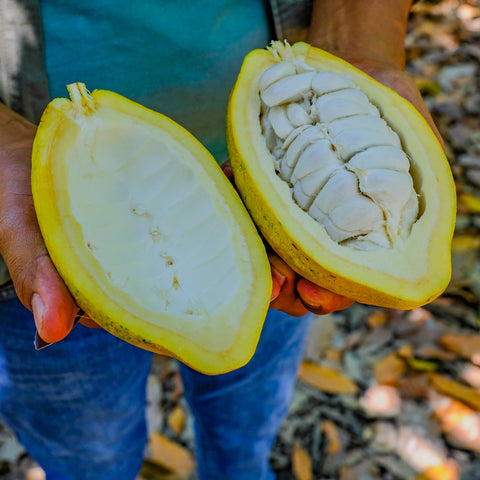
{"points": [[227, 170], [54, 309], [282, 272], [309, 292], [278, 277], [54, 314], [319, 300], [276, 287]]}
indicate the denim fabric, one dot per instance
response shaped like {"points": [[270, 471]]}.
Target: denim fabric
{"points": [[78, 406]]}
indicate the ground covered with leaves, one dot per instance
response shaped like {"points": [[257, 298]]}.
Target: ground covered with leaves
{"points": [[381, 394]]}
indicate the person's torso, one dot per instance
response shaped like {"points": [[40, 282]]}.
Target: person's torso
{"points": [[179, 58]]}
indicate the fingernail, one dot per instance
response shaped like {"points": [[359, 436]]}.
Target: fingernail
{"points": [[275, 291], [39, 342], [281, 279], [38, 308]]}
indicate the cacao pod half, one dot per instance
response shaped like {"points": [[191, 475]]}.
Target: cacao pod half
{"points": [[342, 176], [148, 234]]}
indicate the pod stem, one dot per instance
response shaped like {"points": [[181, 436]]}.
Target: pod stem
{"points": [[81, 98]]}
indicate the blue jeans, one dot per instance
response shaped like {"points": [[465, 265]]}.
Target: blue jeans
{"points": [[78, 406]]}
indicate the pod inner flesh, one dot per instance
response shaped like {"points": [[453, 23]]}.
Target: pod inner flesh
{"points": [[345, 166]]}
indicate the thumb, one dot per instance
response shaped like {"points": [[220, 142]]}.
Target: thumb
{"points": [[36, 281], [39, 287], [53, 307]]}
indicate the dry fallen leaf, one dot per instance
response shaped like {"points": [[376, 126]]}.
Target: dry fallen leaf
{"points": [[178, 390], [460, 423], [333, 437], [412, 386], [176, 420], [378, 318], [405, 351], [455, 389], [445, 471], [432, 352], [407, 354], [389, 369], [381, 401], [418, 451], [326, 379], [301, 463], [170, 455], [333, 355], [464, 345]]}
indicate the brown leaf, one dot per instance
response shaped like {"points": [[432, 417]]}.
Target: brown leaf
{"points": [[326, 379], [176, 420], [378, 318], [460, 423], [389, 369], [333, 437], [446, 471], [301, 463], [456, 390], [333, 355], [432, 352], [170, 455], [412, 386], [352, 340], [464, 345], [178, 386], [405, 351]]}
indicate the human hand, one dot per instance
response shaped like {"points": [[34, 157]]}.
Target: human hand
{"points": [[36, 281], [297, 296], [292, 293], [371, 36]]}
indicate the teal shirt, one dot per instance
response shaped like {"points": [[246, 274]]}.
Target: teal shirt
{"points": [[179, 58]]}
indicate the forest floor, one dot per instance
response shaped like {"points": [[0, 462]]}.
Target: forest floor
{"points": [[381, 394]]}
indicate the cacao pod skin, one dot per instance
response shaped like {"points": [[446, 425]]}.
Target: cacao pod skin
{"points": [[404, 277], [85, 140]]}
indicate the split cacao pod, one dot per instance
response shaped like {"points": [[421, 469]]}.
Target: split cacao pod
{"points": [[148, 234], [343, 177]]}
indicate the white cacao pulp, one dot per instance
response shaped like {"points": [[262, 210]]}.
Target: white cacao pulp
{"points": [[345, 165]]}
